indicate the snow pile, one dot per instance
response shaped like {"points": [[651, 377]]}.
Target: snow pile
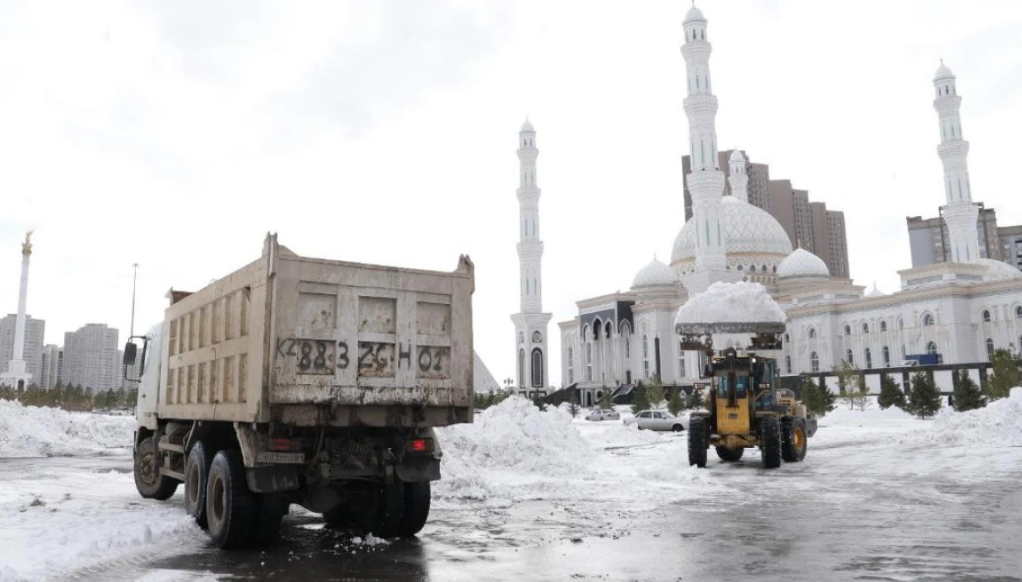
{"points": [[999, 423], [731, 303], [510, 438], [30, 431]]}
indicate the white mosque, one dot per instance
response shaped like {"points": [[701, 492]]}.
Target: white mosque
{"points": [[957, 312]]}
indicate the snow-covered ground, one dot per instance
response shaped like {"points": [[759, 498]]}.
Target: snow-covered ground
{"points": [[69, 516]]}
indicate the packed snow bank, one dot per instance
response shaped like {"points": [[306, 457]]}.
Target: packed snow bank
{"points": [[30, 431], [731, 303], [999, 423]]}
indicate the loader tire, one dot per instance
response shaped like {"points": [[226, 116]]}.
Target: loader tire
{"points": [[794, 440], [729, 455], [146, 467], [340, 517], [770, 437], [269, 512], [697, 442], [416, 510], [196, 478], [230, 506]]}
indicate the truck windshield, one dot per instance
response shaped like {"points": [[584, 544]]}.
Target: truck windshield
{"points": [[741, 384]]}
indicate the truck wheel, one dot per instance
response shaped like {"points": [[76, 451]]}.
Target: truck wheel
{"points": [[339, 517], [697, 442], [793, 435], [229, 504], [416, 508], [269, 512], [383, 514], [148, 480], [729, 455], [770, 439], [196, 477]]}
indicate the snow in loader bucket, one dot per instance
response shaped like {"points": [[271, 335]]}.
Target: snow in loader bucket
{"points": [[755, 335], [741, 315]]}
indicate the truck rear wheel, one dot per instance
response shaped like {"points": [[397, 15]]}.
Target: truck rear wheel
{"points": [[148, 480], [697, 442], [269, 512], [384, 512], [770, 437], [416, 511], [729, 455], [795, 442], [196, 478], [230, 506]]}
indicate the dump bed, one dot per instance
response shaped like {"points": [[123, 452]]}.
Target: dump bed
{"points": [[311, 342]]}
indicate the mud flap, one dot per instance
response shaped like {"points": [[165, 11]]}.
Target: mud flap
{"points": [[413, 469], [272, 479]]}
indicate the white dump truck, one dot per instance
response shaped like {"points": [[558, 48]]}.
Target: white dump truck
{"points": [[308, 381]]}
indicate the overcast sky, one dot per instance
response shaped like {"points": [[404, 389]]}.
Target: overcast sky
{"points": [[176, 134]]}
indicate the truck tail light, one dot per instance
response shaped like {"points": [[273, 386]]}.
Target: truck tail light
{"points": [[280, 444], [421, 445]]}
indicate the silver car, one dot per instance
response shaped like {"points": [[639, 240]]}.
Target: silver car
{"points": [[658, 420], [602, 414]]}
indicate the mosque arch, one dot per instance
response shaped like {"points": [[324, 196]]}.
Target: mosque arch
{"points": [[849, 357], [927, 319], [986, 316], [990, 349], [883, 325], [521, 366], [537, 368], [814, 361], [1018, 311], [848, 329], [931, 348], [887, 356], [597, 328], [812, 333], [869, 359]]}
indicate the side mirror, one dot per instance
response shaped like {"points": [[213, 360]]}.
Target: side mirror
{"points": [[130, 351]]}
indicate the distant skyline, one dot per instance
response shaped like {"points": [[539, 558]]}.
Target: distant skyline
{"points": [[176, 135]]}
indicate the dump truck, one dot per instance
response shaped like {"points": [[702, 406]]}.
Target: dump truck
{"points": [[298, 380]]}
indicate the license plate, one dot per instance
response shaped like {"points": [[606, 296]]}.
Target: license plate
{"points": [[283, 458], [732, 416]]}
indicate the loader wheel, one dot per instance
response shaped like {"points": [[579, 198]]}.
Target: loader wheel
{"points": [[697, 442], [793, 434], [770, 437], [230, 506], [148, 480], [416, 509], [269, 511], [383, 513], [196, 477], [729, 455]]}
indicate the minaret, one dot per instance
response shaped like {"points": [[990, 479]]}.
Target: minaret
{"points": [[705, 181], [961, 214], [16, 375], [739, 179], [531, 323]]}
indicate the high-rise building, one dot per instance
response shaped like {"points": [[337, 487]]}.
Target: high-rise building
{"points": [[91, 358], [837, 240], [1011, 245], [929, 237], [759, 180], [53, 359], [35, 331]]}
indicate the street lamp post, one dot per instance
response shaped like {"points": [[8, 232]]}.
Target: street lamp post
{"points": [[134, 279]]}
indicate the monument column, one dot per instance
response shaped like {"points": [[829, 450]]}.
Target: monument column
{"points": [[16, 374]]}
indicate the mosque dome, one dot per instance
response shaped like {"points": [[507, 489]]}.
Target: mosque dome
{"points": [[874, 292], [736, 156], [527, 127], [998, 270], [802, 263], [655, 273], [943, 72], [748, 231], [694, 14]]}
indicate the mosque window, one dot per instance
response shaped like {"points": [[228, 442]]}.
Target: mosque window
{"points": [[537, 337], [739, 267], [787, 363], [887, 357], [990, 349], [927, 319], [589, 362], [883, 326], [849, 358], [986, 315], [521, 367], [645, 348], [848, 330], [1018, 312], [681, 361], [812, 333], [869, 359], [931, 348], [814, 360], [537, 368], [786, 338], [865, 328]]}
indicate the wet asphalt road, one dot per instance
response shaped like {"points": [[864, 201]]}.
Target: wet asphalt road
{"points": [[875, 513]]}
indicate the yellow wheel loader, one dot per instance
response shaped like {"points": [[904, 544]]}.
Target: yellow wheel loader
{"points": [[745, 408]]}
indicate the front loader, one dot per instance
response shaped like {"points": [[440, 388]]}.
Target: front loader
{"points": [[745, 409]]}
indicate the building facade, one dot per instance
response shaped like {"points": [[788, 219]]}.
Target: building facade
{"points": [[929, 237], [1011, 245], [91, 358], [52, 365], [959, 311], [35, 331]]}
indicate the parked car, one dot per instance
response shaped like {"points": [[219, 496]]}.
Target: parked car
{"points": [[603, 414], [658, 420]]}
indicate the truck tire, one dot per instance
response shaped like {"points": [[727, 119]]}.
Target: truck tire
{"points": [[269, 512], [148, 480], [697, 442], [230, 506], [417, 496], [383, 514], [770, 439], [196, 478], [794, 440], [729, 455], [339, 517]]}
